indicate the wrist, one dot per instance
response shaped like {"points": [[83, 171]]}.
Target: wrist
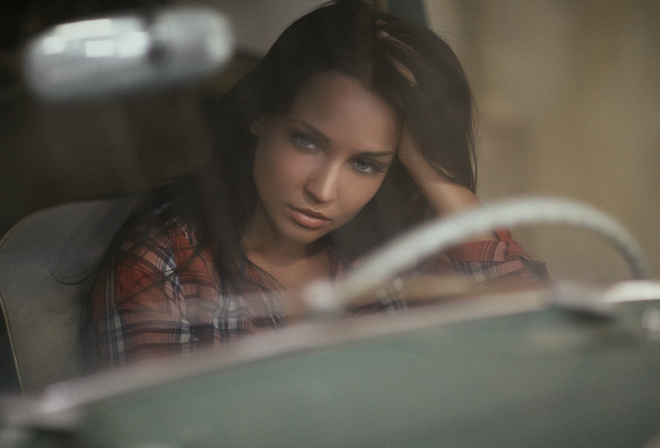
{"points": [[444, 196]]}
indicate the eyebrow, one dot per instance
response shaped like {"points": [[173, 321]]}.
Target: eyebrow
{"points": [[324, 138]]}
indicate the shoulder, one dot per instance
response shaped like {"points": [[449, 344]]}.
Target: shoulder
{"points": [[151, 245], [154, 230]]}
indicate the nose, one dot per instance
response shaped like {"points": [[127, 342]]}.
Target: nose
{"points": [[322, 184]]}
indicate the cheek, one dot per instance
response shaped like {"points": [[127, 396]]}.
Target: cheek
{"points": [[260, 166], [358, 192], [279, 168], [266, 178]]}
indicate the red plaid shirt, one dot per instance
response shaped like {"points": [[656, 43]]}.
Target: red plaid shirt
{"points": [[144, 309]]}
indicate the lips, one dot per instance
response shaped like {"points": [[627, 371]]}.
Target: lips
{"points": [[309, 219]]}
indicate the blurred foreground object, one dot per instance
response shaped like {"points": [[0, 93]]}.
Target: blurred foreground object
{"points": [[127, 54], [501, 371], [564, 365], [438, 235]]}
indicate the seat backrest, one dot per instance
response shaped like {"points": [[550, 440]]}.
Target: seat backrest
{"points": [[45, 262]]}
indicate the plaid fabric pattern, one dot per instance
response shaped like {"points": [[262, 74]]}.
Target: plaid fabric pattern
{"points": [[145, 309], [500, 259]]}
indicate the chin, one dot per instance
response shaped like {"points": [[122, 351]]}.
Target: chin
{"points": [[308, 238], [302, 235]]}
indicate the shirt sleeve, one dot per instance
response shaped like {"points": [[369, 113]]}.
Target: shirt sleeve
{"points": [[139, 310], [501, 258]]}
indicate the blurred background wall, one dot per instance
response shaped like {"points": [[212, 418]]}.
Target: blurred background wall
{"points": [[568, 99], [568, 94]]}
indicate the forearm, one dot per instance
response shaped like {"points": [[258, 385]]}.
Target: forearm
{"points": [[444, 196]]}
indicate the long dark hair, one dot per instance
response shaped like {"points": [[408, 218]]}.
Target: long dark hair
{"points": [[406, 64]]}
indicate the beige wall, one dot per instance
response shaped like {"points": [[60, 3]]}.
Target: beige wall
{"points": [[569, 100]]}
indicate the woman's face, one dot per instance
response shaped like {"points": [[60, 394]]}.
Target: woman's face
{"points": [[318, 164]]}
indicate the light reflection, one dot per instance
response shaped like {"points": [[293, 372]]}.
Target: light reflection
{"points": [[99, 48], [133, 44], [104, 57], [136, 44], [116, 37], [53, 44], [85, 29]]}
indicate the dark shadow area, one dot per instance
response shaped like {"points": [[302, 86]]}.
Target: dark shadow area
{"points": [[56, 154], [8, 378]]}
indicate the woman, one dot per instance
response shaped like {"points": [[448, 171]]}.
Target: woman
{"points": [[354, 127]]}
